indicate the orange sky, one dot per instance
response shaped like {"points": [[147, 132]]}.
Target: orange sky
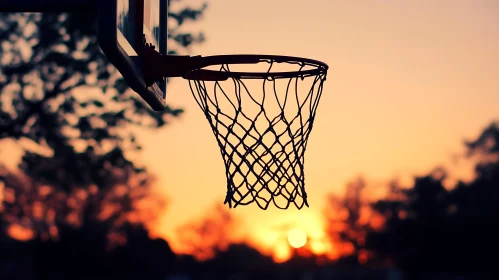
{"points": [[408, 81]]}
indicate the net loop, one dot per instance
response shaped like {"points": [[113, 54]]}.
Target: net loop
{"points": [[262, 122]]}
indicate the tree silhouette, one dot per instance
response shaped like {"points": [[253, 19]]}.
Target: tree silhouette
{"points": [[240, 259], [67, 107], [205, 237], [411, 235], [345, 225], [429, 228], [77, 187], [475, 204], [486, 149]]}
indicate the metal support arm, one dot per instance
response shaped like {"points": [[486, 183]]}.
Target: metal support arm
{"points": [[158, 66]]}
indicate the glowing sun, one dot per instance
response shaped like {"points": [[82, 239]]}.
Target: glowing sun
{"points": [[297, 238]]}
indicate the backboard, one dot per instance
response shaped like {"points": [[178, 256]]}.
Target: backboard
{"points": [[123, 26]]}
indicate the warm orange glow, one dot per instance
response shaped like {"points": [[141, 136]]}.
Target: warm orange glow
{"points": [[377, 222], [363, 256], [203, 237], [20, 232], [9, 195], [2, 187], [116, 239], [282, 253], [297, 238], [319, 247]]}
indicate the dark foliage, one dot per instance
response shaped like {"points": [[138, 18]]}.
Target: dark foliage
{"points": [[430, 228], [76, 190]]}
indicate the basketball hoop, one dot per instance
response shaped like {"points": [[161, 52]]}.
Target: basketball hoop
{"points": [[262, 136], [261, 118]]}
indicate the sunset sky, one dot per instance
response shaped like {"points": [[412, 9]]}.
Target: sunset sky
{"points": [[408, 82]]}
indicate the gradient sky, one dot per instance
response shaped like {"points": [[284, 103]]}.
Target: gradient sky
{"points": [[408, 82]]}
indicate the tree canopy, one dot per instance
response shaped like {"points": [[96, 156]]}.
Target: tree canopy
{"points": [[75, 120], [429, 227]]}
